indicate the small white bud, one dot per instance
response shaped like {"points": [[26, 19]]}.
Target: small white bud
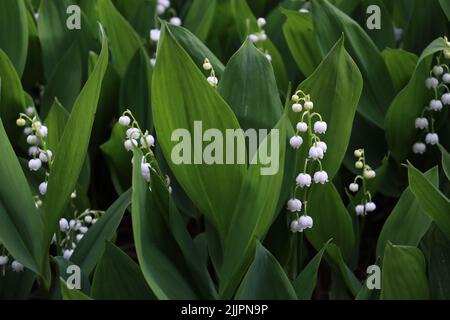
{"points": [[262, 36], [133, 133], [213, 81], [79, 237], [369, 174], [160, 9], [358, 153], [309, 105], [148, 141], [3, 260], [67, 254], [94, 221], [268, 57], [33, 150], [21, 122], [303, 10], [303, 179], [295, 98], [354, 187], [261, 22], [435, 105], [34, 164], [431, 83], [88, 219], [17, 266], [73, 195], [29, 111], [446, 78], [297, 107], [32, 139], [302, 127], [28, 131], [63, 225], [45, 156], [419, 148], [145, 170], [253, 38], [294, 226], [153, 61], [72, 224], [432, 138], [370, 207], [322, 145], [421, 123], [445, 98], [359, 209], [124, 121], [175, 21], [438, 70], [294, 205], [155, 35], [84, 229], [359, 164], [207, 66], [43, 188], [296, 142], [129, 143], [42, 131], [320, 127]]}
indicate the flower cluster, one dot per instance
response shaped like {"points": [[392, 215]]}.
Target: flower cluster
{"points": [[135, 137], [36, 134], [7, 261], [438, 83], [73, 230], [212, 79], [317, 149], [259, 37], [366, 204]]}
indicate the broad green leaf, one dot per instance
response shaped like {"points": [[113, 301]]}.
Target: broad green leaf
{"points": [[255, 210], [16, 285], [64, 272], [33, 67], [400, 64], [136, 88], [12, 100], [347, 6], [249, 87], [73, 146], [445, 161], [55, 121], [142, 16], [299, 33], [65, 82], [335, 88], [118, 277], [329, 24], [445, 5], [14, 32], [196, 49], [160, 256], [305, 283], [180, 97], [407, 223], [409, 103], [403, 274], [123, 39], [21, 228], [72, 294], [200, 17], [89, 249], [265, 279], [432, 201]]}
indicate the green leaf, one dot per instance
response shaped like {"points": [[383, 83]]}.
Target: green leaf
{"points": [[140, 14], [305, 283], [432, 201], [445, 5], [200, 16], [329, 24], [73, 146], [12, 100], [118, 277], [91, 246], [409, 103], [16, 285], [123, 39], [335, 88], [265, 279], [255, 210], [248, 85], [72, 294], [136, 88], [56, 122], [404, 274], [407, 223], [21, 228], [445, 161], [400, 64], [180, 96], [14, 32], [299, 33]]}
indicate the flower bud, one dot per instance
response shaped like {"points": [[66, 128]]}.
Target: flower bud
{"points": [[21, 122]]}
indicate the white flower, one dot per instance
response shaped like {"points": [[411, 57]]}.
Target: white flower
{"points": [[73, 195], [295, 98], [268, 57], [445, 98], [88, 219], [32, 139], [419, 148], [359, 164], [16, 266], [42, 131], [3, 260], [145, 170], [359, 209], [320, 177], [421, 123], [129, 143], [28, 130], [303, 10], [207, 66], [164, 3], [213, 81], [358, 153], [305, 222], [155, 34], [124, 121], [160, 9], [438, 70], [294, 226], [322, 145], [315, 153], [29, 111], [72, 224], [262, 36], [431, 83], [148, 140], [297, 107], [354, 187], [446, 78], [253, 38], [320, 127], [94, 221], [435, 105], [303, 179], [294, 205], [369, 174], [34, 164], [175, 21], [67, 254], [33, 150], [261, 22], [296, 142], [309, 105], [133, 133], [78, 225], [43, 188], [432, 138], [370, 206], [45, 156], [153, 61], [302, 127], [84, 229], [63, 225], [79, 237]]}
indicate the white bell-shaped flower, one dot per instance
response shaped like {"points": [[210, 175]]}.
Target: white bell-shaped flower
{"points": [[320, 177], [294, 205], [419, 148], [302, 126], [34, 164], [320, 127], [315, 153], [43, 188], [421, 123], [432, 138], [296, 142], [124, 121], [353, 187], [436, 105], [16, 266], [303, 180]]}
